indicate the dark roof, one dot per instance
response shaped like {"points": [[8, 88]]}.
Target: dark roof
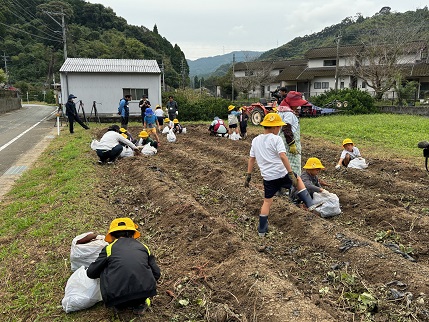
{"points": [[278, 64], [291, 72]]}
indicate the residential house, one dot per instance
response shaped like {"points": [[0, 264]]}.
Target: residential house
{"points": [[106, 81]]}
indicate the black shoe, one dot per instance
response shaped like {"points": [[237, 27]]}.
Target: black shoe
{"points": [[139, 310]]}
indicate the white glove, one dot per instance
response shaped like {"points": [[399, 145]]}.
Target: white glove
{"points": [[337, 167], [177, 112]]}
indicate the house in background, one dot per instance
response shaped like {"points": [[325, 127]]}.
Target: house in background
{"points": [[319, 71], [106, 81]]}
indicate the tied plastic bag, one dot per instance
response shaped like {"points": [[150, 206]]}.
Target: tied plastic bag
{"points": [[171, 137], [149, 150], [235, 136], [126, 152], [358, 163], [85, 254], [329, 204], [165, 130], [184, 130], [81, 292]]}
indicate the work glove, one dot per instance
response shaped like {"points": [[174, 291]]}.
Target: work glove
{"points": [[292, 148], [177, 112], [248, 178], [337, 167], [293, 178]]}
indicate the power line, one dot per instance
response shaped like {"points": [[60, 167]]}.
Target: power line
{"points": [[29, 33]]}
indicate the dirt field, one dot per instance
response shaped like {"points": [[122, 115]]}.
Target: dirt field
{"points": [[371, 263]]}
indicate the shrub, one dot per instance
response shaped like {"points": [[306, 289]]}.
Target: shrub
{"points": [[358, 102]]}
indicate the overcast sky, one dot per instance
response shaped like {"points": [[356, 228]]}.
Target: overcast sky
{"points": [[208, 28]]}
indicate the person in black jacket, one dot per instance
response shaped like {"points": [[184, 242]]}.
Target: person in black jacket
{"points": [[72, 115], [127, 270]]}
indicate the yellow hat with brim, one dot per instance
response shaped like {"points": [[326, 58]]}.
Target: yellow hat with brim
{"points": [[313, 163], [143, 134], [231, 107], [120, 224], [347, 141], [122, 130], [166, 119], [124, 135], [272, 120], [175, 121]]}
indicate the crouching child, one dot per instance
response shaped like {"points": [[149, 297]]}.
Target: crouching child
{"points": [[127, 270]]}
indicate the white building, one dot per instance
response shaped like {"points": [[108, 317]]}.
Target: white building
{"points": [[106, 81]]}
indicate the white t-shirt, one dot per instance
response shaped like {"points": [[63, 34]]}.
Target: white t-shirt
{"points": [[266, 148], [111, 139], [159, 112], [355, 153]]}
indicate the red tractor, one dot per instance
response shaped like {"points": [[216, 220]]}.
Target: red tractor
{"points": [[257, 111]]}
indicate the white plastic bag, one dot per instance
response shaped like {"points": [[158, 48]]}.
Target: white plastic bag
{"points": [[149, 150], [94, 144], [85, 254], [329, 204], [171, 137], [165, 130], [235, 136], [358, 163], [81, 292], [184, 130], [126, 152]]}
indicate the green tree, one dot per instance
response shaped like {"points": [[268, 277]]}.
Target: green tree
{"points": [[3, 76]]}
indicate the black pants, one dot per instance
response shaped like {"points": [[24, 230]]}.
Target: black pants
{"points": [[109, 155], [124, 122], [75, 118]]}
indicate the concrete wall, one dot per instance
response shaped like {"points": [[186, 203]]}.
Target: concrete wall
{"points": [[9, 104], [412, 110]]}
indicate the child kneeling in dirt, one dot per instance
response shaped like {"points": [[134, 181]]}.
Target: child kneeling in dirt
{"points": [[312, 168], [145, 139], [127, 270], [269, 151], [218, 127], [349, 153]]}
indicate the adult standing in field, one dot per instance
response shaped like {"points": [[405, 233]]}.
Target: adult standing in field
{"points": [[282, 94], [291, 132], [124, 110], [72, 115], [144, 104], [172, 108]]}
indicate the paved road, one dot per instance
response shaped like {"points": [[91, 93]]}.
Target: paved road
{"points": [[22, 133]]}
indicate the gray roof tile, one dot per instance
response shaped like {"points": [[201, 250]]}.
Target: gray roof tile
{"points": [[92, 65]]}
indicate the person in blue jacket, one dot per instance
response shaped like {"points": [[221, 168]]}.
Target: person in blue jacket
{"points": [[127, 269], [124, 110]]}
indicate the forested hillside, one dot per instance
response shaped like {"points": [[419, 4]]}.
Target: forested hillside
{"points": [[355, 30], [31, 40]]}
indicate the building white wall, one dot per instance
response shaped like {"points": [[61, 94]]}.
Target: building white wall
{"points": [[106, 88]]}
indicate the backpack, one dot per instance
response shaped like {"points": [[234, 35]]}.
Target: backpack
{"points": [[218, 124]]}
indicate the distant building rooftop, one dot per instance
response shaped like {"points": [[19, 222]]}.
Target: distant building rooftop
{"points": [[92, 65]]}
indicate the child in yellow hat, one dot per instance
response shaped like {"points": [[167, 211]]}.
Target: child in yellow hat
{"points": [[127, 270], [233, 115], [310, 177], [349, 153], [269, 151]]}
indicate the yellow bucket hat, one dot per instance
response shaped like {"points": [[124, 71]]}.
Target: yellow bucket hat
{"points": [[124, 135], [122, 130], [272, 120], [313, 163], [143, 134], [230, 108], [122, 224], [347, 141], [166, 119], [175, 121]]}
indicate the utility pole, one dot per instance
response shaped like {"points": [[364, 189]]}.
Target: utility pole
{"points": [[62, 25], [337, 39], [5, 62], [232, 81], [163, 79]]}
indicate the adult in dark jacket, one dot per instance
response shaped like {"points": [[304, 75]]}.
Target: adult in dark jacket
{"points": [[72, 115], [144, 104], [172, 108], [127, 270]]}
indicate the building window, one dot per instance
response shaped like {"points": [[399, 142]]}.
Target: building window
{"points": [[317, 85], [330, 62], [325, 85], [342, 85], [136, 93], [363, 84], [248, 73]]}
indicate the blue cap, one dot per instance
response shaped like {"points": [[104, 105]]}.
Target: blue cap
{"points": [[71, 96], [148, 111]]}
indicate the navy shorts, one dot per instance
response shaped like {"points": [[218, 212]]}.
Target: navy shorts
{"points": [[272, 186], [233, 126], [160, 120]]}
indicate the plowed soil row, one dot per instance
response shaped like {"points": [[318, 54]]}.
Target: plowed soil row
{"points": [[201, 223]]}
